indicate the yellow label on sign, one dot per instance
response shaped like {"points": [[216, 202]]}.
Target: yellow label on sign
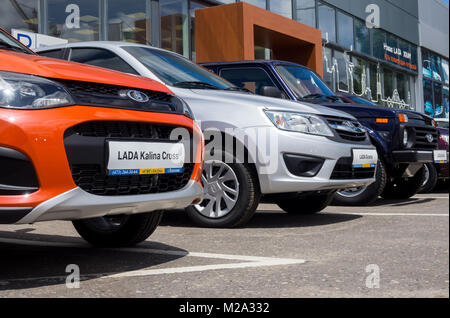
{"points": [[152, 171]]}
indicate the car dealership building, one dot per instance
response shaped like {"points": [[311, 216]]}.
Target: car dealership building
{"points": [[394, 52]]}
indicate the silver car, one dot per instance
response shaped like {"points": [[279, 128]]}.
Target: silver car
{"points": [[259, 149]]}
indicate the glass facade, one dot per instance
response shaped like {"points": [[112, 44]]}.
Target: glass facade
{"points": [[369, 63], [174, 26], [305, 11], [283, 8], [436, 84], [20, 14], [76, 21], [129, 20], [344, 30], [327, 22]]}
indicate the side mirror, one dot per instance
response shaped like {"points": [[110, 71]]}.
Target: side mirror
{"points": [[270, 91]]}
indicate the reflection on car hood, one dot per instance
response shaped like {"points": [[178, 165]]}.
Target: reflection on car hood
{"points": [[242, 99], [52, 68]]}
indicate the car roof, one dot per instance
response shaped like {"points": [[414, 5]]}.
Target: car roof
{"points": [[268, 62], [96, 44]]}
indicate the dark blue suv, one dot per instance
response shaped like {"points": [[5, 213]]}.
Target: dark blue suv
{"points": [[405, 139]]}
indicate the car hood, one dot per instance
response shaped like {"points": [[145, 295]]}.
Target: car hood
{"points": [[59, 69], [366, 111], [242, 99]]}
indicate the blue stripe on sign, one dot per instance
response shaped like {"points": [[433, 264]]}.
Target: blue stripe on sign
{"points": [[123, 172], [174, 170], [362, 166]]}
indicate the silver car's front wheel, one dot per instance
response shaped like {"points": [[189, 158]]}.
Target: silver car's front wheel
{"points": [[231, 197], [221, 190]]}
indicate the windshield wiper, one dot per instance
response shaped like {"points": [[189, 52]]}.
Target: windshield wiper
{"points": [[238, 89], [195, 84], [7, 46], [317, 96]]}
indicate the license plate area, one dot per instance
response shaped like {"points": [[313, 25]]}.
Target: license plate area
{"points": [[440, 156], [364, 158], [144, 157]]}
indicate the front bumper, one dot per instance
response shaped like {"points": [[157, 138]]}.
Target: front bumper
{"points": [[39, 136], [78, 204], [412, 156], [278, 178]]}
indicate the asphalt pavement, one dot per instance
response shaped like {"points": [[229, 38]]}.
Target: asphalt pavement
{"points": [[389, 249]]}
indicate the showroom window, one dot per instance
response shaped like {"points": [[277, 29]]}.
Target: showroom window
{"points": [[75, 21], [21, 15], [128, 20], [328, 68], [359, 69], [258, 3], [435, 73], [437, 105], [374, 79], [402, 87], [342, 70], [327, 22], [362, 37], [174, 26], [305, 11], [194, 6], [379, 39], [345, 30], [388, 82], [428, 97], [283, 8]]}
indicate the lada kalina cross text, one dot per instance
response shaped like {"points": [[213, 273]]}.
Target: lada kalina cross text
{"points": [[94, 146], [258, 149]]}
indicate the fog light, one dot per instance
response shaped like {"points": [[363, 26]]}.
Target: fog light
{"points": [[405, 138]]}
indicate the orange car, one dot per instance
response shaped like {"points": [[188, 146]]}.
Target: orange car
{"points": [[103, 149]]}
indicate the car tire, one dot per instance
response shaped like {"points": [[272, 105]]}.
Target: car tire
{"points": [[118, 231], [431, 178], [404, 188], [306, 205], [246, 201], [366, 195]]}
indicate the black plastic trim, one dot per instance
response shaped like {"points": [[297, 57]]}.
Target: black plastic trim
{"points": [[13, 215]]}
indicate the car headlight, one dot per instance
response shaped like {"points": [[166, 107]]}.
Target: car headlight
{"points": [[183, 107], [22, 91], [445, 138], [304, 123]]}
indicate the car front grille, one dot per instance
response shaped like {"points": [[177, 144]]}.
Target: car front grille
{"points": [[349, 130], [86, 151], [344, 171], [92, 179], [123, 129], [103, 95], [421, 141]]}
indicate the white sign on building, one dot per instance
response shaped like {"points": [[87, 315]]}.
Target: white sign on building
{"points": [[36, 40]]}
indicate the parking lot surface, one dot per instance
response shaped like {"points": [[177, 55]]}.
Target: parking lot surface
{"points": [[390, 249]]}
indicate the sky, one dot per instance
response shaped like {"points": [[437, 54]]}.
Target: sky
{"points": [[445, 1]]}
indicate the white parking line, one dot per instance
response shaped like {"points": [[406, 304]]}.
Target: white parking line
{"points": [[248, 261], [389, 214]]}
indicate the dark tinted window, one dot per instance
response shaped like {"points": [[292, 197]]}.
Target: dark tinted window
{"points": [[56, 54], [251, 78], [101, 58]]}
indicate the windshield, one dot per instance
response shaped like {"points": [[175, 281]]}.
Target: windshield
{"points": [[177, 71], [303, 82], [9, 43], [360, 100], [442, 124]]}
